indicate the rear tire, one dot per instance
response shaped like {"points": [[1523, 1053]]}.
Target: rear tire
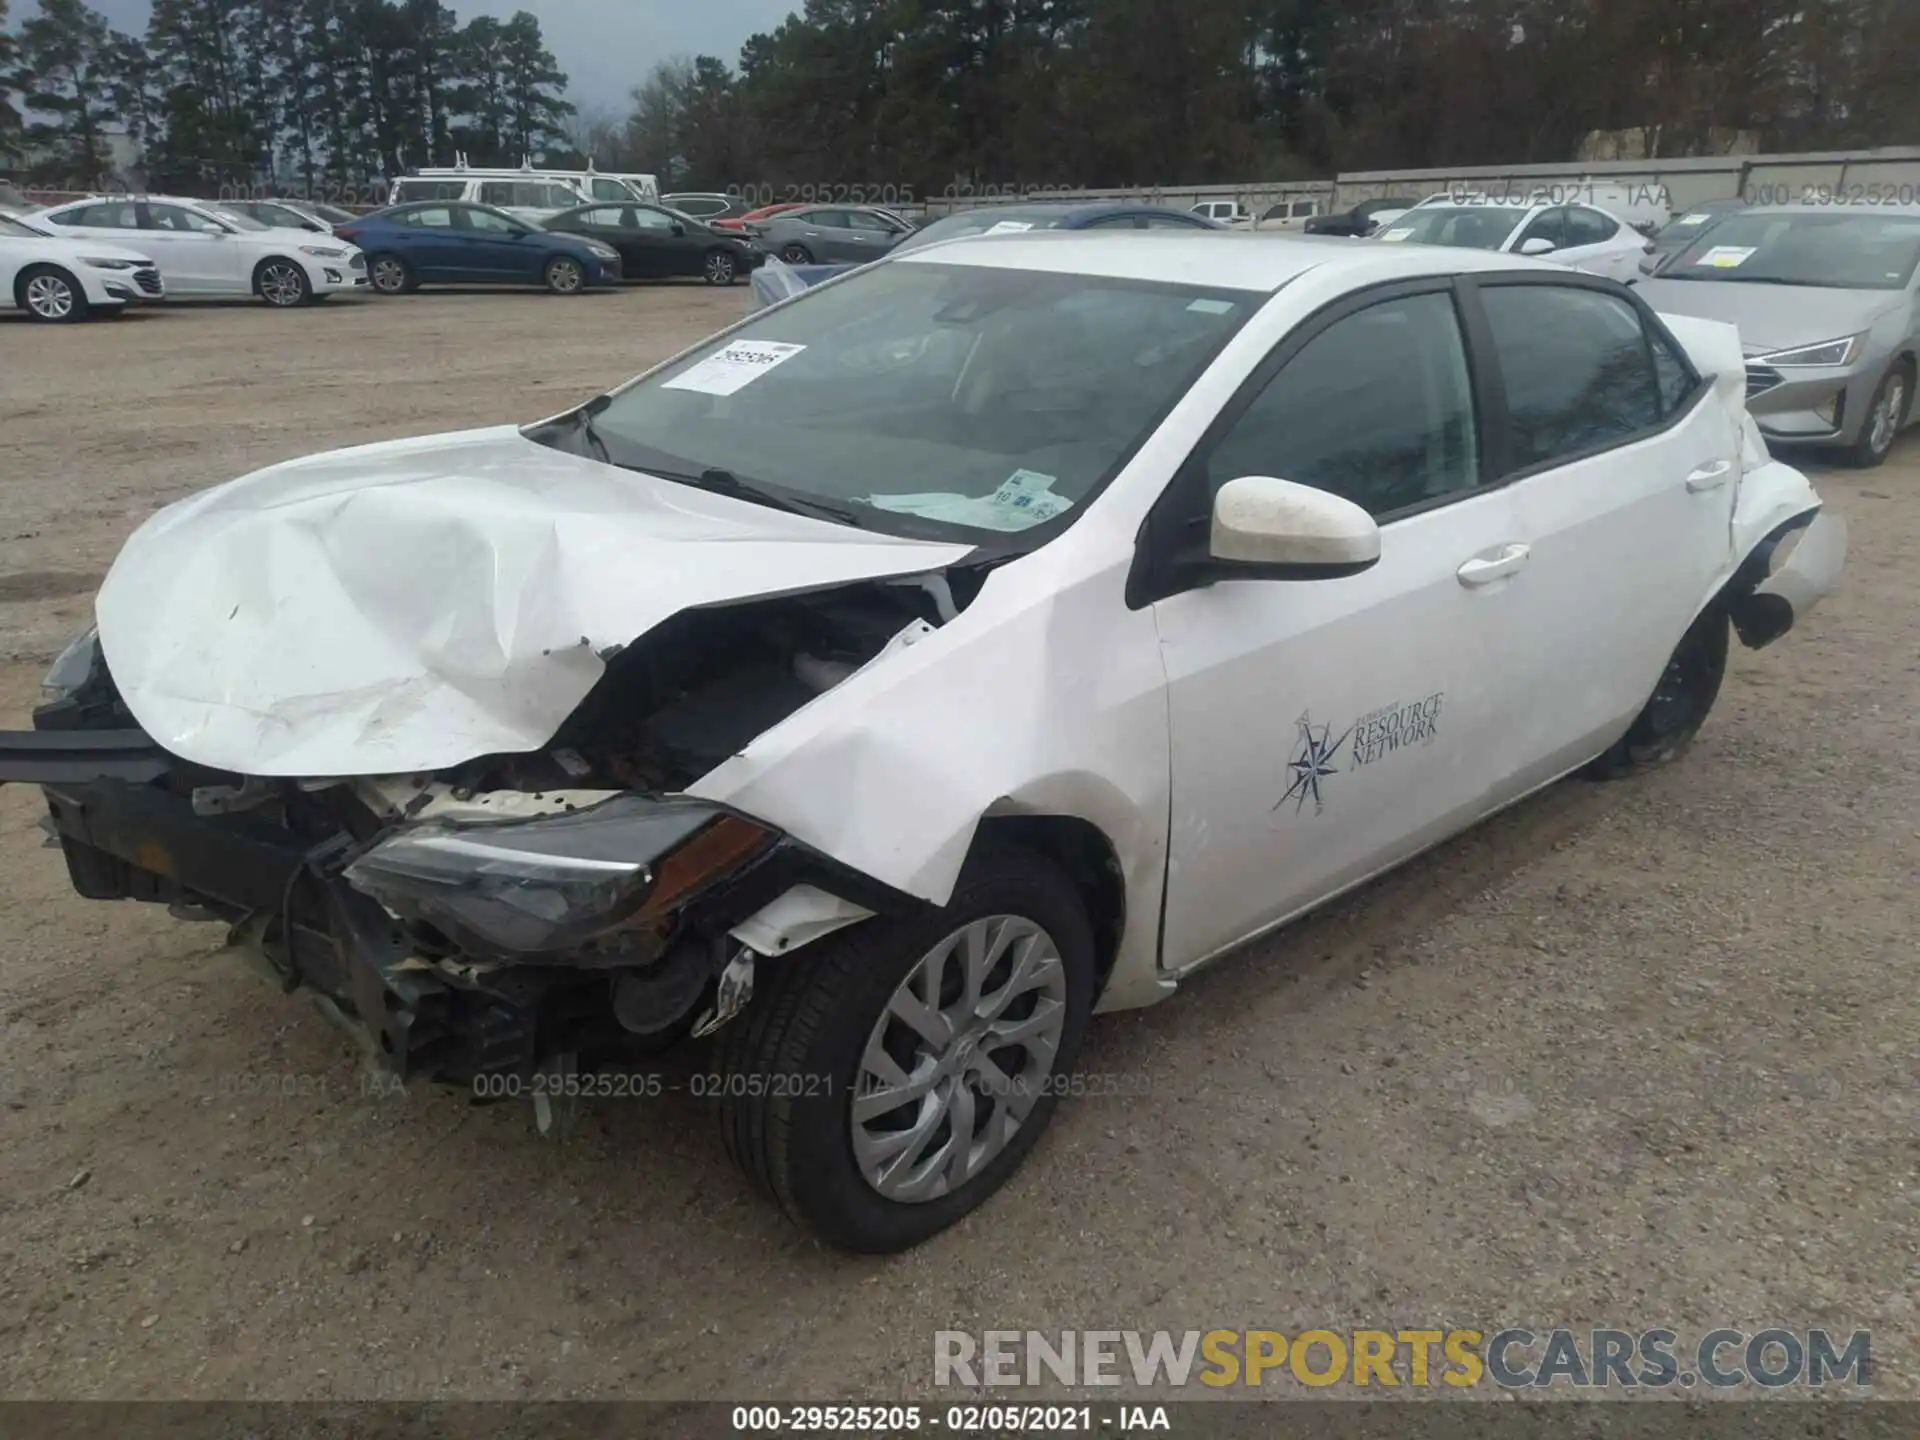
{"points": [[390, 275], [1888, 412], [721, 268], [565, 275], [797, 1117], [796, 254], [1680, 705], [50, 295]]}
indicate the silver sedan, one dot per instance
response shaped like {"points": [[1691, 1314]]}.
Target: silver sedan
{"points": [[1825, 300]]}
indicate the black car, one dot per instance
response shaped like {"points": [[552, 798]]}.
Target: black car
{"points": [[658, 244], [1358, 220]]}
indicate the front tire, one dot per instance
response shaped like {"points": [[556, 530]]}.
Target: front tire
{"points": [[282, 284], [565, 276], [889, 1079], [1885, 416], [1680, 704], [51, 295], [721, 268]]}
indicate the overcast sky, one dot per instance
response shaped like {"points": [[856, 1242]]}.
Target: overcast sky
{"points": [[605, 46]]}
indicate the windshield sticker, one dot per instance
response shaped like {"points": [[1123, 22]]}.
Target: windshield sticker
{"points": [[1320, 753], [1397, 235], [734, 368], [1727, 257], [1024, 499], [1211, 307], [1697, 218], [1009, 227]]}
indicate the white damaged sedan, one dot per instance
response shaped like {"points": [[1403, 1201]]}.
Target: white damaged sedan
{"points": [[981, 640]]}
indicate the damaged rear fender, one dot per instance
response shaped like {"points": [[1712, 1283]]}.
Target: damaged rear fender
{"points": [[1792, 551]]}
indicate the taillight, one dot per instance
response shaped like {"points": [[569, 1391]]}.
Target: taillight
{"points": [[345, 232]]}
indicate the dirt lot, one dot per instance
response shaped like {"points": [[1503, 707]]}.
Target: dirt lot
{"points": [[1633, 1055]]}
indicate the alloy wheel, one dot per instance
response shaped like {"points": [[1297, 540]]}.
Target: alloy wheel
{"points": [[283, 284], [389, 275], [50, 297], [720, 269], [963, 1051], [565, 276]]}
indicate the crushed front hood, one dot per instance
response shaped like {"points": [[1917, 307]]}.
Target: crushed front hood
{"points": [[412, 605]]}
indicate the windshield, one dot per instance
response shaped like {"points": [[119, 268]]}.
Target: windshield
{"points": [[1003, 219], [1473, 227], [923, 399], [1823, 248]]}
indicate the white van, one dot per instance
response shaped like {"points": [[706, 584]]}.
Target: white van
{"points": [[534, 194]]}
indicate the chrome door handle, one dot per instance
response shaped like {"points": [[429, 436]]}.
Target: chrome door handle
{"points": [[1709, 477], [1476, 573]]}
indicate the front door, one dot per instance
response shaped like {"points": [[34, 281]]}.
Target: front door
{"points": [[1623, 468], [495, 247], [195, 254], [1324, 729], [654, 249]]}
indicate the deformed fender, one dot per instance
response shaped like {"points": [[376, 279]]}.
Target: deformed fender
{"points": [[1027, 703], [1792, 549]]}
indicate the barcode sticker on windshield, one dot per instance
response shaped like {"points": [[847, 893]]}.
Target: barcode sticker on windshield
{"points": [[1698, 218], [734, 368], [1211, 307], [1727, 257], [1397, 235], [1009, 227]]}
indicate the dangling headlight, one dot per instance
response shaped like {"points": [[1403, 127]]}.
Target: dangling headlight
{"points": [[74, 666]]}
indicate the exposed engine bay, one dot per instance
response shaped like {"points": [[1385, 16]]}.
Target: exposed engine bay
{"points": [[570, 902]]}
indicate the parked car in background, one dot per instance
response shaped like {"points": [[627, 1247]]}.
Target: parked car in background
{"points": [[1644, 205], [1289, 215], [754, 217], [658, 243], [1827, 301], [885, 685], [1100, 215], [706, 207], [57, 279], [1359, 219], [1577, 236], [280, 214], [831, 234], [1224, 212], [454, 243], [1681, 231], [208, 253]]}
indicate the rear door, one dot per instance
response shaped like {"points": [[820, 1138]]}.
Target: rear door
{"points": [[1600, 244], [1623, 467], [430, 244]]}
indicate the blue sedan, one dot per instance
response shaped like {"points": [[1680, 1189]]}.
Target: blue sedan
{"points": [[441, 242], [997, 219]]}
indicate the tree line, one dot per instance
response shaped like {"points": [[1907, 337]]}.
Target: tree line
{"points": [[323, 96], [923, 95]]}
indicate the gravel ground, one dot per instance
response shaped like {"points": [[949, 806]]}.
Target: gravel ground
{"points": [[1628, 1055]]}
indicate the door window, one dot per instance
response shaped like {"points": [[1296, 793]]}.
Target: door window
{"points": [[610, 190], [182, 221], [1114, 222], [432, 217], [606, 218], [1589, 227], [1377, 408], [828, 219], [656, 221], [100, 217], [489, 223], [1171, 222], [1549, 225], [501, 192], [1579, 373]]}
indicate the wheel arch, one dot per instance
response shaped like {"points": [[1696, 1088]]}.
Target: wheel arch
{"points": [[35, 267], [260, 268], [1087, 857]]}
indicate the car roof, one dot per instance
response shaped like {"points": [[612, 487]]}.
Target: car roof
{"points": [[1219, 259]]}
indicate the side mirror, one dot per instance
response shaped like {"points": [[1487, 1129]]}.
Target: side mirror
{"points": [[1536, 246], [678, 228], [1290, 531]]}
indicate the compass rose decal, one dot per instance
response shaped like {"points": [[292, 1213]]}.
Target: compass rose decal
{"points": [[1313, 761]]}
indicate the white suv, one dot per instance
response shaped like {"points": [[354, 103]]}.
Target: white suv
{"points": [[207, 253]]}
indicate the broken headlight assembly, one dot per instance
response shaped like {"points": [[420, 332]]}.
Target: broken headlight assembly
{"points": [[73, 667], [528, 887]]}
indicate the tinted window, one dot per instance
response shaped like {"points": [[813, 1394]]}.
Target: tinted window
{"points": [[1113, 222], [1549, 225], [699, 206], [430, 190], [105, 217], [435, 217], [1577, 369], [1171, 222], [610, 190], [652, 220], [606, 218], [1377, 408], [1589, 227], [551, 197]]}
